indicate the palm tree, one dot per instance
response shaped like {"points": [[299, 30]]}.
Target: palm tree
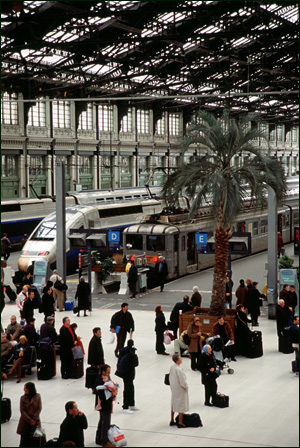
{"points": [[216, 178]]}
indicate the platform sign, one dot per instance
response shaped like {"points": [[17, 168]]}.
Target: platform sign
{"points": [[114, 239], [201, 242], [288, 276]]}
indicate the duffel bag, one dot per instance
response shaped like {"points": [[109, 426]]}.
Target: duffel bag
{"points": [[190, 420]]}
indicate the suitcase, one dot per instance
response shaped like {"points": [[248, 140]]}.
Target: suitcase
{"points": [[221, 401], [284, 345], [5, 408], [294, 365], [69, 305], [46, 367], [77, 368], [190, 420], [254, 348], [38, 441], [91, 374]]}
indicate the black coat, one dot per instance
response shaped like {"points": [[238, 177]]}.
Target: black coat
{"points": [[66, 340], [124, 320], [160, 322], [196, 299], [106, 404], [132, 274], [48, 331], [26, 352], [30, 332], [206, 362], [164, 272], [282, 318], [183, 306], [253, 296], [294, 299], [95, 352], [28, 309], [82, 293], [133, 362], [47, 305], [72, 429]]}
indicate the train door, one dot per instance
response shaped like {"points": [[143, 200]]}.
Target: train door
{"points": [[182, 254], [280, 223], [191, 248], [176, 255]]}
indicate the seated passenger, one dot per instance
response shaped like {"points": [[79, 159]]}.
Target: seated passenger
{"points": [[13, 330], [21, 356], [30, 332], [6, 350]]}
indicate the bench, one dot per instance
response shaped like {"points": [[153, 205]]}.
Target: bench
{"points": [[26, 368], [207, 321]]}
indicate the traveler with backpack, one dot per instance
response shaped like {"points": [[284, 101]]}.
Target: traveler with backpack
{"points": [[127, 363]]}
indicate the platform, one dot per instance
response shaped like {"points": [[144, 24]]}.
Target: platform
{"points": [[264, 393]]}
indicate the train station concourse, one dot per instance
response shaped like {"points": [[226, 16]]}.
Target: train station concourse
{"points": [[263, 392]]}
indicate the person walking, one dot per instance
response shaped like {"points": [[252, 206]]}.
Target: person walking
{"points": [[82, 294], [122, 323], [179, 391], [241, 294], [196, 298], [161, 272], [73, 425], [196, 337], [128, 358], [57, 294], [30, 408], [160, 328], [132, 279], [207, 367], [95, 350], [280, 244], [67, 342], [5, 247]]}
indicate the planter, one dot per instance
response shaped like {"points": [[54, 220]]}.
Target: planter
{"points": [[116, 268]]}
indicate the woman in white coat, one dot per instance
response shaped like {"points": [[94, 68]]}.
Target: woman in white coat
{"points": [[179, 390]]}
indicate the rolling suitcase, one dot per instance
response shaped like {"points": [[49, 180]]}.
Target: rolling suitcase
{"points": [[77, 368], [284, 345], [46, 367], [5, 408], [255, 346], [91, 374], [221, 401]]}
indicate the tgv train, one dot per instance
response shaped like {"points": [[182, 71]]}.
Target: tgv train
{"points": [[109, 216], [21, 216], [173, 237]]}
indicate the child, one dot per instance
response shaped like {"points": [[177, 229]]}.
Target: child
{"points": [[110, 389]]}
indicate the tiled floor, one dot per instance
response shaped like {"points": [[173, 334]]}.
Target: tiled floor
{"points": [[264, 395]]}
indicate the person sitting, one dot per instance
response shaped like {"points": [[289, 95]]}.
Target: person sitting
{"points": [[21, 356], [30, 332], [242, 331], [224, 329], [183, 306], [6, 350], [180, 345], [13, 330]]}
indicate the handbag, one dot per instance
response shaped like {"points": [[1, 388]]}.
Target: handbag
{"points": [[167, 339], [60, 286], [77, 352], [167, 379], [111, 338], [75, 309]]}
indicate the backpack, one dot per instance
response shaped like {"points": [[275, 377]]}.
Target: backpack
{"points": [[186, 339], [123, 365], [43, 345]]}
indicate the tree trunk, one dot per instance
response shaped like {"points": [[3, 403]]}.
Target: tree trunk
{"points": [[217, 305]]}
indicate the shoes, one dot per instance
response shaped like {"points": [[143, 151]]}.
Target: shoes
{"points": [[180, 426], [127, 411], [85, 315], [208, 404], [165, 354], [233, 359], [134, 408], [297, 374], [172, 423]]}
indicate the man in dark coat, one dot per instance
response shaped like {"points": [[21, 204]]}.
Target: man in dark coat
{"points": [[122, 323], [47, 330], [83, 294], [132, 278], [184, 306], [73, 425], [161, 272], [253, 302], [95, 352], [288, 300], [293, 294], [30, 332], [128, 377], [282, 321], [5, 247], [28, 306], [67, 341], [48, 302]]}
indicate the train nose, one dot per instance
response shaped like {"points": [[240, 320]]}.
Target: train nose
{"points": [[23, 263]]}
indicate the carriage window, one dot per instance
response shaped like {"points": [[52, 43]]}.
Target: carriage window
{"points": [[136, 242], [296, 218], [255, 228], [264, 226], [155, 242], [287, 220]]}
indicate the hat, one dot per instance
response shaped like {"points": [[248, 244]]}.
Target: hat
{"points": [[195, 319], [49, 318]]}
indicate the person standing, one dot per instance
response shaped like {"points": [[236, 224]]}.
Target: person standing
{"points": [[179, 391], [30, 408], [95, 350], [197, 337], [30, 332], [28, 306], [160, 328], [73, 425], [67, 342], [280, 244], [83, 293], [5, 247], [282, 321], [27, 279], [105, 411], [292, 292], [288, 300], [47, 330], [207, 367], [122, 323], [128, 377], [253, 296], [293, 333], [132, 279], [57, 294], [21, 297], [161, 272], [228, 293], [184, 306], [241, 294], [196, 298], [48, 303], [242, 331]]}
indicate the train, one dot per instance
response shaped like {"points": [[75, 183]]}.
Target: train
{"points": [[174, 237], [21, 216]]}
